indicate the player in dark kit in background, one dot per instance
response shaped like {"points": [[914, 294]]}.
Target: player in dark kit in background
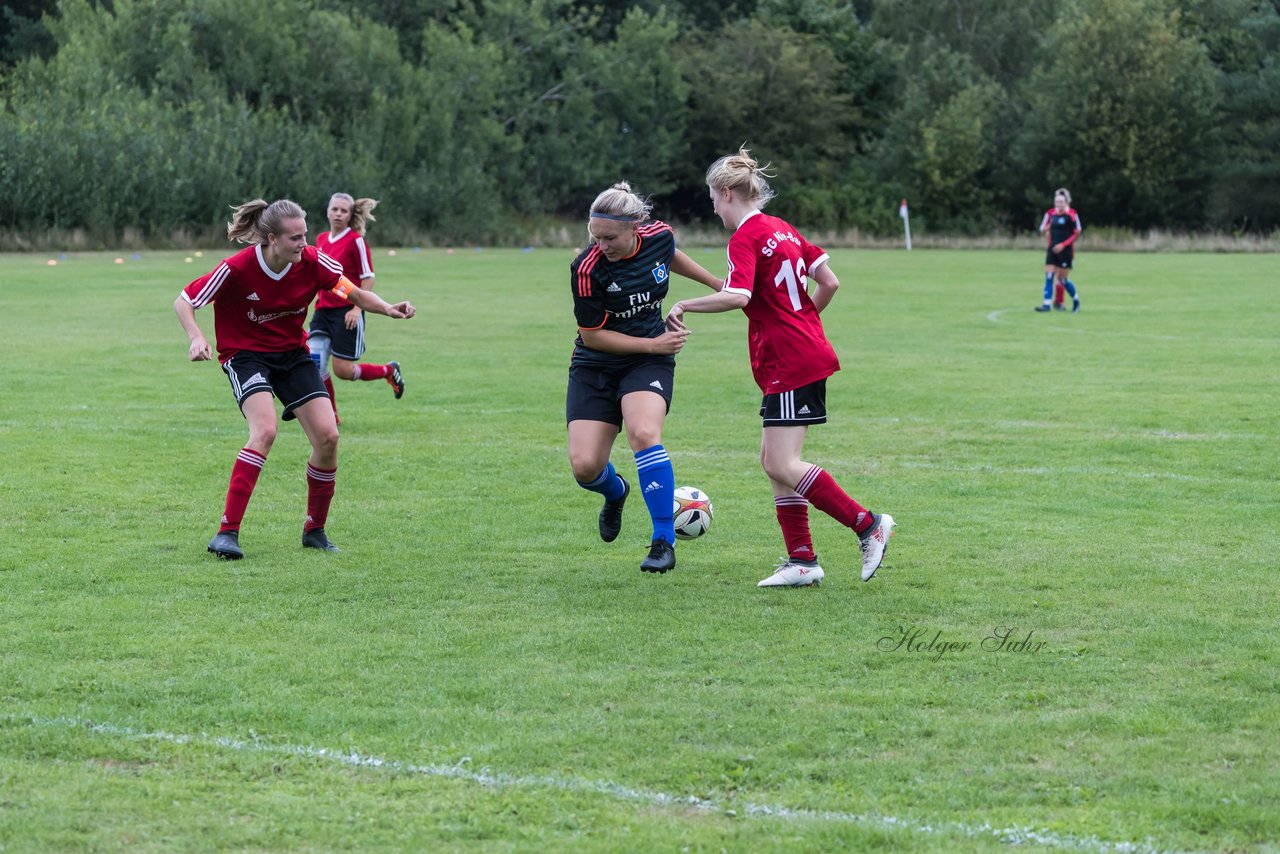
{"points": [[623, 363], [260, 297], [337, 327], [769, 266], [1062, 225]]}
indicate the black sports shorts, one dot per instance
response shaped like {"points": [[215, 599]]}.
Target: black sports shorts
{"points": [[291, 376], [595, 393], [1061, 260], [344, 343], [798, 408]]}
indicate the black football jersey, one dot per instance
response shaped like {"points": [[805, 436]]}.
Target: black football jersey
{"points": [[624, 295]]}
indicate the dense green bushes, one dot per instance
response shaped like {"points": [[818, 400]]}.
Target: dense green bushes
{"points": [[479, 120]]}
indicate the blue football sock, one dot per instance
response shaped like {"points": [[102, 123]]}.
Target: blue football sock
{"points": [[658, 485], [1071, 288], [607, 484], [1048, 287]]}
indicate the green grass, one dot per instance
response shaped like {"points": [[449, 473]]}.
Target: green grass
{"points": [[1106, 482]]}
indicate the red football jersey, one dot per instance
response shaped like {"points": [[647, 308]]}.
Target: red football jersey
{"points": [[769, 261], [256, 309], [352, 252]]}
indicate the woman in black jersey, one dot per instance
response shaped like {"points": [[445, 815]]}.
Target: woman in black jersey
{"points": [[623, 364], [1061, 226]]}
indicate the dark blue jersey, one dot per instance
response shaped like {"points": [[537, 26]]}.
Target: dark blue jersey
{"points": [[1063, 226], [625, 295]]}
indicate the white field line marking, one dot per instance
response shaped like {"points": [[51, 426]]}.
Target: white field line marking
{"points": [[1012, 835]]}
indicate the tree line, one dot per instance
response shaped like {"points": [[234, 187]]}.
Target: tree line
{"points": [[477, 120]]}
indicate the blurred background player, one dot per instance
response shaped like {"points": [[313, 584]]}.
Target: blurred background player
{"points": [[260, 297], [623, 363], [1062, 225], [337, 327], [770, 263]]}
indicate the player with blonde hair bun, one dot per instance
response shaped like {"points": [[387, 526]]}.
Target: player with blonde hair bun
{"points": [[623, 363], [1061, 227], [337, 328], [771, 268]]}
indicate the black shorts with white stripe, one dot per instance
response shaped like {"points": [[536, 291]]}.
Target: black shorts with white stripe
{"points": [[344, 343], [292, 377], [798, 408]]}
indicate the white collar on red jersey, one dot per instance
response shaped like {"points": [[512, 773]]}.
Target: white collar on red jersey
{"points": [[749, 215], [334, 238], [262, 262]]}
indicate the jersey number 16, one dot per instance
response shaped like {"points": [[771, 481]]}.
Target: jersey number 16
{"points": [[794, 278]]}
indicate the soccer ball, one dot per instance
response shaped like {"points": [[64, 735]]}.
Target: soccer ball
{"points": [[693, 513]]}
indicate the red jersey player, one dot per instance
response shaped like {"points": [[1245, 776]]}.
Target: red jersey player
{"points": [[260, 297], [337, 327], [770, 264]]}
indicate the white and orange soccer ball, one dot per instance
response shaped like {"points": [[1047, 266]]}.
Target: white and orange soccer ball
{"points": [[693, 513]]}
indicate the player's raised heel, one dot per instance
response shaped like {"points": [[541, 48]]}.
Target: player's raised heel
{"points": [[396, 379], [316, 539], [661, 557], [611, 514], [874, 543], [226, 545]]}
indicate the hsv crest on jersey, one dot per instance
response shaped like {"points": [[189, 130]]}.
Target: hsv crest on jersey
{"points": [[660, 273]]}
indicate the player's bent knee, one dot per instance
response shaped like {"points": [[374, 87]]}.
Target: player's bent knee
{"points": [[586, 470], [325, 441]]}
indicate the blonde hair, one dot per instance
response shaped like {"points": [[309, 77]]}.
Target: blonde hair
{"points": [[361, 211], [1064, 192], [621, 202], [253, 221], [741, 173]]}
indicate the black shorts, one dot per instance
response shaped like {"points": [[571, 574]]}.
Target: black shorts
{"points": [[799, 408], [595, 394], [1061, 260], [291, 376], [344, 343]]}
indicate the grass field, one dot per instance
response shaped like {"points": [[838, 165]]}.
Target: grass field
{"points": [[477, 670]]}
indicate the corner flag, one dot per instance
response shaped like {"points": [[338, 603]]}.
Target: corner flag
{"points": [[906, 222]]}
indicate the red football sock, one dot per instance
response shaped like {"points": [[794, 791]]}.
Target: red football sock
{"points": [[372, 372], [244, 477], [824, 493], [793, 518], [1059, 293], [320, 486]]}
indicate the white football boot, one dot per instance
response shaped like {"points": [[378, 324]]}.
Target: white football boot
{"points": [[794, 573], [874, 544]]}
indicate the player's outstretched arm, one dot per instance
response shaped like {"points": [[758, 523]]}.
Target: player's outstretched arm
{"points": [[710, 304], [685, 266], [369, 301]]}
